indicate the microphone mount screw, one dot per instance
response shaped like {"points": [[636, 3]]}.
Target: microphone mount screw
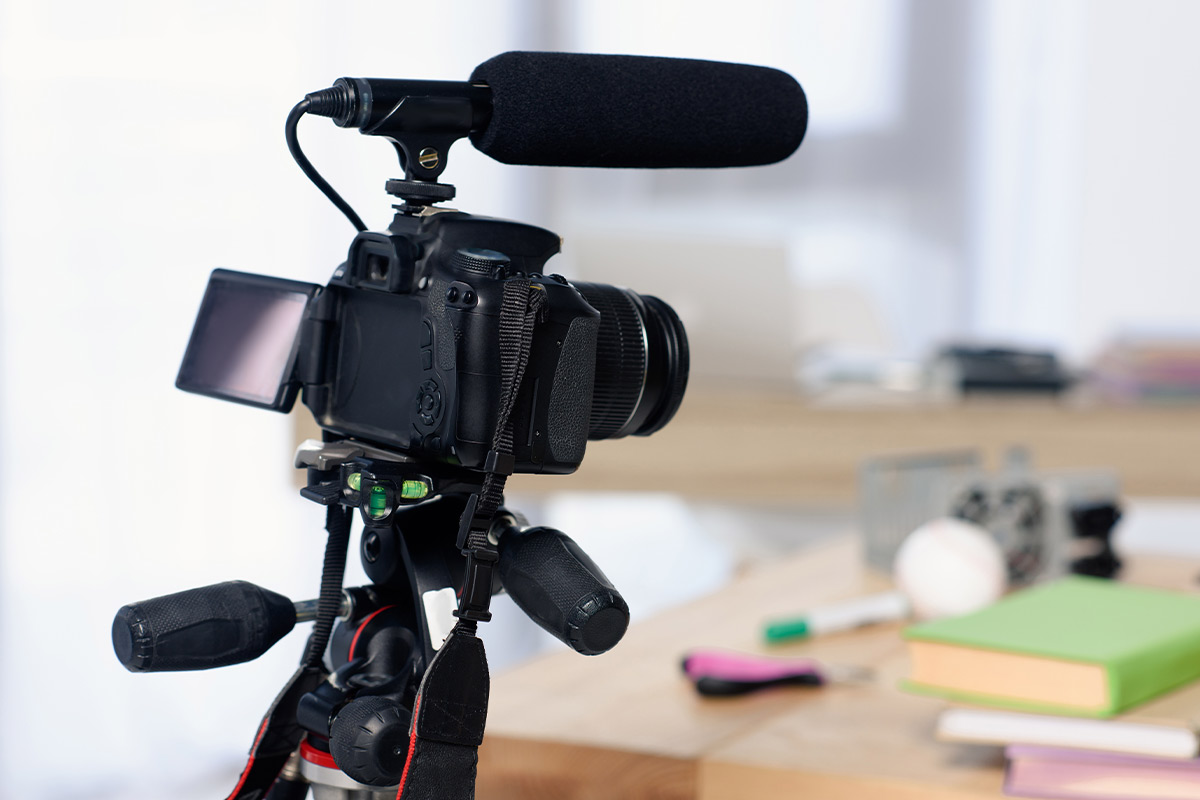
{"points": [[428, 158]]}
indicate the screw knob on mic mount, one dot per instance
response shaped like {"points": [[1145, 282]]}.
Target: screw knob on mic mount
{"points": [[419, 193]]}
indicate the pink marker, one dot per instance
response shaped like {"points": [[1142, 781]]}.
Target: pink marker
{"points": [[726, 673]]}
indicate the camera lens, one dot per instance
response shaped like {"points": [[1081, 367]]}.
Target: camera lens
{"points": [[641, 362]]}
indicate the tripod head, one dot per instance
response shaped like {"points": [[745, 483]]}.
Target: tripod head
{"points": [[387, 634]]}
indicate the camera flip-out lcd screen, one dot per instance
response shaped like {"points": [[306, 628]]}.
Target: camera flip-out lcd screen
{"points": [[243, 346]]}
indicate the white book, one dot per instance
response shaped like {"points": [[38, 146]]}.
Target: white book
{"points": [[1163, 728]]}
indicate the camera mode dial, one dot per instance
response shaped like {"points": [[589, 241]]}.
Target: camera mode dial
{"points": [[478, 260], [482, 262]]}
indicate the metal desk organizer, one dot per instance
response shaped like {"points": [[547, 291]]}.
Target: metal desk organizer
{"points": [[1048, 523]]}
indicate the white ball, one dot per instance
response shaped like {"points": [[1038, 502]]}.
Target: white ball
{"points": [[949, 567]]}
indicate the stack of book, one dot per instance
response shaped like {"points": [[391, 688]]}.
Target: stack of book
{"points": [[1089, 683], [1161, 367]]}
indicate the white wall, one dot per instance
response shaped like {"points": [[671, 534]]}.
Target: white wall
{"points": [[1086, 170], [141, 146], [1025, 191], [1139, 237]]}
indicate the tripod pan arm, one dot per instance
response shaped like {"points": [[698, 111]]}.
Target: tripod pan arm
{"points": [[213, 626]]}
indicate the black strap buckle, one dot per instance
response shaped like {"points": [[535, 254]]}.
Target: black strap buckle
{"points": [[499, 463], [476, 599], [482, 556]]}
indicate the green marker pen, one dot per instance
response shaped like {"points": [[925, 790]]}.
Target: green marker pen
{"points": [[843, 616]]}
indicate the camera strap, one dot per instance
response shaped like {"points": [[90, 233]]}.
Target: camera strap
{"points": [[451, 706], [523, 305]]}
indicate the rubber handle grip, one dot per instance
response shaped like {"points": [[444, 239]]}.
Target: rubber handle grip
{"points": [[553, 581], [213, 626]]}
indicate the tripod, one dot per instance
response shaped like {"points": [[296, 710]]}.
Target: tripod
{"points": [[390, 699]]}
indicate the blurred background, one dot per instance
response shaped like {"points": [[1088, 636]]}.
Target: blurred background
{"points": [[987, 174]]}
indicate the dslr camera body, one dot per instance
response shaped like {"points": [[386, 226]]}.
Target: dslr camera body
{"points": [[402, 348]]}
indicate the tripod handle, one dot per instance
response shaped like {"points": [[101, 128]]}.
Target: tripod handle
{"points": [[213, 626], [553, 581]]}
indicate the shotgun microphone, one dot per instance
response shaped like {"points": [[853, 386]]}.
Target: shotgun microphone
{"points": [[582, 110]]}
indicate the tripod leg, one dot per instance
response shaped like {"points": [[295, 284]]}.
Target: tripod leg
{"points": [[335, 793], [290, 785], [288, 790]]}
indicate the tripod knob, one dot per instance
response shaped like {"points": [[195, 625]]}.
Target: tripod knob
{"points": [[553, 581], [369, 740], [213, 626]]}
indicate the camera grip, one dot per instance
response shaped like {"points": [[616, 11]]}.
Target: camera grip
{"points": [[213, 626], [553, 581]]}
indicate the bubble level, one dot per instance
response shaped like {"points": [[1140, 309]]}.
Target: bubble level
{"points": [[377, 503], [413, 490]]}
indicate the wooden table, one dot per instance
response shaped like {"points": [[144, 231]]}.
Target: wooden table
{"points": [[628, 725]]}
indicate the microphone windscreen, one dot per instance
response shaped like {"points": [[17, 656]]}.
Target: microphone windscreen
{"points": [[582, 110]]}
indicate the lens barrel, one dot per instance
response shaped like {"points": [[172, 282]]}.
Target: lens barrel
{"points": [[641, 362]]}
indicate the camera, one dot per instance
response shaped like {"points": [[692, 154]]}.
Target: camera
{"points": [[402, 348], [442, 357]]}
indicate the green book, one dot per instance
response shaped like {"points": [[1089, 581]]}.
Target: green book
{"points": [[1081, 646]]}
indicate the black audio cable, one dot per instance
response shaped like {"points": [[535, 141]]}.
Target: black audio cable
{"points": [[293, 144]]}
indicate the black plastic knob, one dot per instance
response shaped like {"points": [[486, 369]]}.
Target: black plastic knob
{"points": [[553, 581], [479, 261], [369, 740], [213, 626]]}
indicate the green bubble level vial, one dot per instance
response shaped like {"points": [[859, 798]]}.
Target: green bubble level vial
{"points": [[377, 502], [413, 490]]}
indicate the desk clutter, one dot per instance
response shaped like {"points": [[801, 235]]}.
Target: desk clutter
{"points": [[1091, 685], [1047, 524], [725, 673], [1056, 772], [642, 731], [1082, 646]]}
